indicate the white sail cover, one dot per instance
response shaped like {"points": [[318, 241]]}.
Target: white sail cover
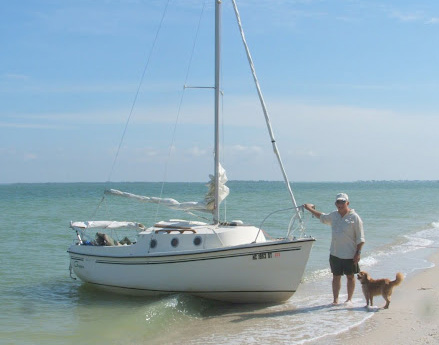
{"points": [[223, 190], [105, 224], [205, 205]]}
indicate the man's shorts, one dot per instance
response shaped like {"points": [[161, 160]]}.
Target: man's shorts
{"points": [[340, 267]]}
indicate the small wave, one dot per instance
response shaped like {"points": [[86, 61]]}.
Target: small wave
{"points": [[416, 243], [430, 233], [413, 242], [175, 308], [317, 275], [368, 261], [394, 255], [291, 323]]}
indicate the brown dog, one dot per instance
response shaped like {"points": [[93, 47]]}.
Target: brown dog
{"points": [[383, 287]]}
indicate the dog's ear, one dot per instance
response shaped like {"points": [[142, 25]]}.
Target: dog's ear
{"points": [[361, 275]]}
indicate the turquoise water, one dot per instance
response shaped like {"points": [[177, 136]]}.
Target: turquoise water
{"points": [[41, 304]]}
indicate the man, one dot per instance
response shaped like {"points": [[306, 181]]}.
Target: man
{"points": [[347, 241]]}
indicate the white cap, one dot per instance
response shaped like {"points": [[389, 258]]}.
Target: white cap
{"points": [[342, 196]]}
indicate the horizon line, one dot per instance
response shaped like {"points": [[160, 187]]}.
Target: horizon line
{"points": [[261, 180]]}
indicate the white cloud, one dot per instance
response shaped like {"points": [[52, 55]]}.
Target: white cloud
{"points": [[17, 154], [408, 16], [148, 152], [197, 152], [242, 149], [434, 20], [29, 125], [7, 151], [303, 153], [414, 16], [30, 156], [13, 76]]}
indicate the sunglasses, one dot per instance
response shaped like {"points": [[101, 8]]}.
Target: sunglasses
{"points": [[340, 202]]}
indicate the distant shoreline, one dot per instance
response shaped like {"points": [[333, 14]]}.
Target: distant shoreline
{"points": [[230, 181]]}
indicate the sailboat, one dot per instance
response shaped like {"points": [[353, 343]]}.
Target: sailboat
{"points": [[226, 261]]}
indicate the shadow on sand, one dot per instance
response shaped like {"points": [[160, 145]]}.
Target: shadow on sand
{"points": [[303, 310]]}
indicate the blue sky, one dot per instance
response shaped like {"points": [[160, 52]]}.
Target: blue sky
{"points": [[351, 88]]}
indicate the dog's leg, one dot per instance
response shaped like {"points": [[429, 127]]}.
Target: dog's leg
{"points": [[387, 298], [371, 300], [367, 299]]}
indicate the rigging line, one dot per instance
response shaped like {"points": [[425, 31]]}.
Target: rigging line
{"points": [[264, 108], [223, 159], [165, 174], [138, 89], [98, 207]]}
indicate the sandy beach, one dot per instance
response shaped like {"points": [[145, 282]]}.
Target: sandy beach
{"points": [[412, 318]]}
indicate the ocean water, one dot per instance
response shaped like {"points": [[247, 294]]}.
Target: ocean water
{"points": [[41, 304]]}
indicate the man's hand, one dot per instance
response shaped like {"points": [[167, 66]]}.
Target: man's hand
{"points": [[309, 207], [357, 258]]}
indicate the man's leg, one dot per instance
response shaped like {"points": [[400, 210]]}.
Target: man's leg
{"points": [[336, 285], [350, 286]]}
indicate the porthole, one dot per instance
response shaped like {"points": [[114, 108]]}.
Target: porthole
{"points": [[153, 244], [174, 242], [197, 240]]}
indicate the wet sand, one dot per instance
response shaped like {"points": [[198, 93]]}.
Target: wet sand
{"points": [[412, 318]]}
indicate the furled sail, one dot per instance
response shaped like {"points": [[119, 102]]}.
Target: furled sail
{"points": [[223, 190], [104, 224], [206, 205]]}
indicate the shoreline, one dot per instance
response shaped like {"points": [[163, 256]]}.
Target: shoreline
{"points": [[412, 317]]}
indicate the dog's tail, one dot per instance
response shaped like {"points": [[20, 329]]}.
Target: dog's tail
{"points": [[398, 280]]}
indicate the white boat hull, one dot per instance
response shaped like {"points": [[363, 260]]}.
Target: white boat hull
{"points": [[254, 273]]}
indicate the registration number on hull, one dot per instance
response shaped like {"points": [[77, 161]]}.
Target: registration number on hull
{"points": [[267, 255]]}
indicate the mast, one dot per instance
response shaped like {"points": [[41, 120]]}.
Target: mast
{"points": [[217, 105]]}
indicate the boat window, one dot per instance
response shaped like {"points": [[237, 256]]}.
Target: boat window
{"points": [[197, 240], [153, 243], [174, 242]]}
